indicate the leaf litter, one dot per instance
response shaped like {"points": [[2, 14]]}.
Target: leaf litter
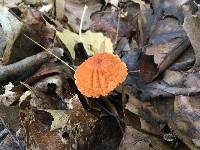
{"points": [[43, 45]]}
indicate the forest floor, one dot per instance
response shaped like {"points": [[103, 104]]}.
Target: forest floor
{"points": [[99, 74]]}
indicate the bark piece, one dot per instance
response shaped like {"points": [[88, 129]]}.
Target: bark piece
{"points": [[22, 69]]}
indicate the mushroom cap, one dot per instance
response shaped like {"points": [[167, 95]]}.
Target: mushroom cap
{"points": [[100, 74]]}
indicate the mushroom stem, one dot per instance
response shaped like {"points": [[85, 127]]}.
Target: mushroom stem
{"points": [[81, 25]]}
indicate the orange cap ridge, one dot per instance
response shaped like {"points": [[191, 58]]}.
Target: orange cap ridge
{"points": [[100, 74]]}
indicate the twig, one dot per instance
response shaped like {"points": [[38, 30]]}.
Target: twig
{"points": [[26, 85], [44, 47], [12, 136], [24, 67], [50, 52], [118, 21]]}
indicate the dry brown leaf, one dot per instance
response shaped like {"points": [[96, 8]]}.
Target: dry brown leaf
{"points": [[192, 28], [12, 28]]}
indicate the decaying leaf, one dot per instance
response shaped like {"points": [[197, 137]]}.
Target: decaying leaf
{"points": [[12, 28], [134, 139], [2, 41], [137, 1], [10, 3], [69, 39], [32, 2], [185, 121], [60, 118], [54, 82], [113, 25], [173, 78], [9, 96], [94, 42], [112, 2], [192, 28], [10, 115], [41, 124], [97, 43], [149, 70], [147, 36]]}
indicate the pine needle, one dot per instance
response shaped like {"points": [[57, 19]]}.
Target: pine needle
{"points": [[50, 53]]}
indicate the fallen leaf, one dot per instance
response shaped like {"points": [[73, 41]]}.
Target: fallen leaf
{"points": [[114, 26], [94, 42], [11, 28], [134, 139], [10, 3], [2, 42], [112, 2], [185, 121], [97, 43], [9, 96], [149, 70], [192, 28], [164, 24], [6, 113], [185, 61], [69, 39], [136, 1], [60, 118], [32, 2], [173, 78]]}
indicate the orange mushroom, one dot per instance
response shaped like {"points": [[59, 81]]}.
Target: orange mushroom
{"points": [[100, 74]]}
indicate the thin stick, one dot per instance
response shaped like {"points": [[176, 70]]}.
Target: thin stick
{"points": [[12, 136], [81, 25], [118, 23], [26, 85], [50, 53]]}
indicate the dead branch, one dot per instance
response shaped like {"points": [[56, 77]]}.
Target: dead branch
{"points": [[20, 70]]}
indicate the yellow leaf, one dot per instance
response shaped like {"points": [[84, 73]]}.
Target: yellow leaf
{"points": [[93, 42], [60, 118], [97, 43], [69, 39], [137, 1]]}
